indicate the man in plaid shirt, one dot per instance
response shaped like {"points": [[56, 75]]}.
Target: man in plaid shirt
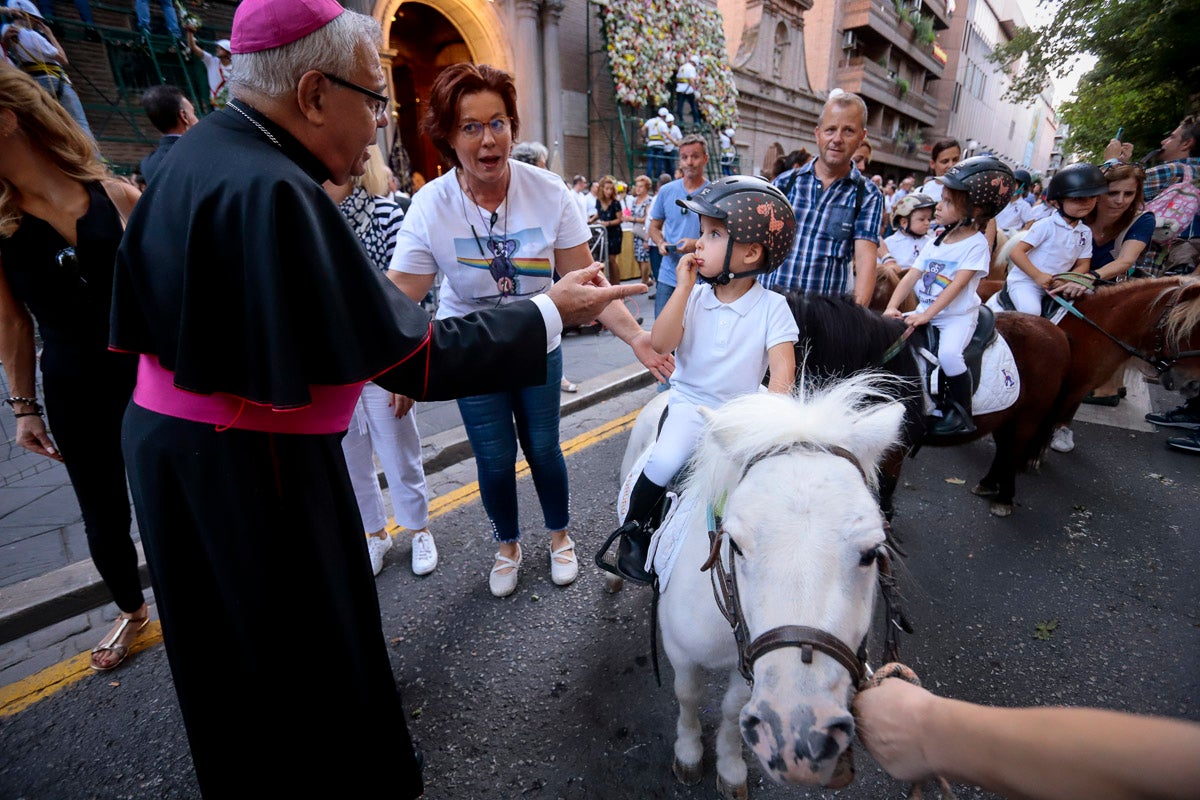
{"points": [[837, 210]]}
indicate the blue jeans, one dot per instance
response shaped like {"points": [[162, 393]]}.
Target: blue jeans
{"points": [[682, 99], [141, 9], [494, 423], [82, 6], [662, 293], [65, 94]]}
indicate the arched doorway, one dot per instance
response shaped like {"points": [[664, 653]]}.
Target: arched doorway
{"points": [[424, 42]]}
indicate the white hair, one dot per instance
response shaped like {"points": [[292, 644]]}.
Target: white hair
{"points": [[530, 152], [334, 48], [843, 99]]}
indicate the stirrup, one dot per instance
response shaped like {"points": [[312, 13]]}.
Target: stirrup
{"points": [[614, 567]]}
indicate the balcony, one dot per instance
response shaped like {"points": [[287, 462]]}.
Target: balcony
{"points": [[880, 17], [872, 81]]}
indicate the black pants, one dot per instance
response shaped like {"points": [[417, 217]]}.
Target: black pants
{"points": [[269, 610], [85, 401]]}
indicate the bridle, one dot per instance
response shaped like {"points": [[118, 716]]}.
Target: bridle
{"points": [[1159, 359], [808, 639]]}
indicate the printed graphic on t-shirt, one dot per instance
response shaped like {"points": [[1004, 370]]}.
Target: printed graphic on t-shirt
{"points": [[501, 257], [937, 276]]}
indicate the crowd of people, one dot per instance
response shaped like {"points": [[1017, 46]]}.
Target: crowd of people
{"points": [[254, 368]]}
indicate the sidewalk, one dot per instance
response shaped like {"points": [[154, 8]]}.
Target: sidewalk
{"points": [[47, 579]]}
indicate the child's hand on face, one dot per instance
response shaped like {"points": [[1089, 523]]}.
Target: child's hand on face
{"points": [[685, 272]]}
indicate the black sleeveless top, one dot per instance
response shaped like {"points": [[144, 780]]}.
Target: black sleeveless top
{"points": [[67, 290]]}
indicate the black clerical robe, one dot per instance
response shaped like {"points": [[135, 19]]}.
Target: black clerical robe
{"points": [[240, 276]]}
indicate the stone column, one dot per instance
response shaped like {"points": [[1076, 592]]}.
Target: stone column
{"points": [[552, 75], [528, 64]]}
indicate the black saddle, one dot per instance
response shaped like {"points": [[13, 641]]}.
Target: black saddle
{"points": [[1049, 306], [985, 334]]}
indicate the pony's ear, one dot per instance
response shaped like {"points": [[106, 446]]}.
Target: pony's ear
{"points": [[876, 431]]}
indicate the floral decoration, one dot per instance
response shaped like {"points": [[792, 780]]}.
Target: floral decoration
{"points": [[643, 37]]}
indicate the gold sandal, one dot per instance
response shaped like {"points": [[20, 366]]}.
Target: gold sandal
{"points": [[113, 643]]}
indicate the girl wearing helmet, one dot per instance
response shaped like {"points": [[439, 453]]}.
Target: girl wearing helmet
{"points": [[946, 275], [726, 329], [1059, 242], [910, 217]]}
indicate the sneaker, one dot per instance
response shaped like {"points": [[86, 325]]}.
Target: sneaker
{"points": [[424, 553], [1063, 441], [1188, 444], [376, 549], [1181, 417]]}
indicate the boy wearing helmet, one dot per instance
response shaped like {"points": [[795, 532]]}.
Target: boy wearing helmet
{"points": [[726, 329], [946, 275], [1018, 214], [911, 216], [1059, 242]]}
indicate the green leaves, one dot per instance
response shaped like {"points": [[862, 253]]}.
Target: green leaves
{"points": [[1044, 630], [1146, 68]]}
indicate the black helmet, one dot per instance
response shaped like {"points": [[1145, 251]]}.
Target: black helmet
{"points": [[1023, 177], [753, 211], [988, 182], [1077, 180]]}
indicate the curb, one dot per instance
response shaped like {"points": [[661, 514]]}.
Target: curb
{"points": [[40, 602]]}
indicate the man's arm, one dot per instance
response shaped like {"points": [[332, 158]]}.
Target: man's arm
{"points": [[864, 270]]}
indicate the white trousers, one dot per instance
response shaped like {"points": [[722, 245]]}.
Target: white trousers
{"points": [[374, 430], [676, 441], [955, 332], [1026, 296]]}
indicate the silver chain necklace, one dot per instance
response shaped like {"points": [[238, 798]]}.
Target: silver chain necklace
{"points": [[256, 124]]}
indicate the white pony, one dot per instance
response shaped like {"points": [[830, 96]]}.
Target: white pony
{"points": [[793, 480]]}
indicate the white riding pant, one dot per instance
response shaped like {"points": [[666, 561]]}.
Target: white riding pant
{"points": [[675, 443], [1026, 296], [955, 332], [374, 430]]}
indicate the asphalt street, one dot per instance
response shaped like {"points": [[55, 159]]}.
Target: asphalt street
{"points": [[1087, 595]]}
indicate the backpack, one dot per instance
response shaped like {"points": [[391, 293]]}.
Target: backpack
{"points": [[1175, 208]]}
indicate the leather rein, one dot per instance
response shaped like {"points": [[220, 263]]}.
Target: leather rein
{"points": [[1159, 359], [808, 639]]}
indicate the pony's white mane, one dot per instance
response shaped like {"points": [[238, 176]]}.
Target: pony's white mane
{"points": [[856, 413]]}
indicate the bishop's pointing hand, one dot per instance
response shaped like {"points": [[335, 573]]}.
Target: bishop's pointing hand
{"points": [[582, 294]]}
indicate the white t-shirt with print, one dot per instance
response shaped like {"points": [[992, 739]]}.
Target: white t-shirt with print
{"points": [[905, 248], [723, 353], [492, 264], [938, 264], [1055, 247]]}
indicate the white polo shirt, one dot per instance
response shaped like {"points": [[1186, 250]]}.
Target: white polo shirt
{"points": [[1015, 216], [723, 353], [905, 248], [1056, 246], [933, 187]]}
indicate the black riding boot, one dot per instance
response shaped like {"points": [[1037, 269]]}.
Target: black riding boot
{"points": [[956, 417], [645, 508]]}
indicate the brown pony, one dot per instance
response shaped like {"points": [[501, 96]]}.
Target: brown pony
{"points": [[838, 338], [1160, 318]]}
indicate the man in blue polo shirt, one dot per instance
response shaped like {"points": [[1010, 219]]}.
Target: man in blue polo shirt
{"points": [[674, 229], [837, 210]]}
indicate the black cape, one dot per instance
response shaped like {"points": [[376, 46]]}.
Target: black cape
{"points": [[274, 292]]}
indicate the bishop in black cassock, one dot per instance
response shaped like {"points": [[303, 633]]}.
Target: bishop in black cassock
{"points": [[257, 316]]}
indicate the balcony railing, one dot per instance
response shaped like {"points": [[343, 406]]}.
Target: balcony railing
{"points": [[873, 81], [880, 17]]}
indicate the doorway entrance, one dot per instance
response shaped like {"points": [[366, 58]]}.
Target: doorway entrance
{"points": [[425, 42]]}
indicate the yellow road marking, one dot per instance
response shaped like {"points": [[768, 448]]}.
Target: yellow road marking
{"points": [[17, 697]]}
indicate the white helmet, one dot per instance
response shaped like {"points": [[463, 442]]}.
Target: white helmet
{"points": [[662, 111]]}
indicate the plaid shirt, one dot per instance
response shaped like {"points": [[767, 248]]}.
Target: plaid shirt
{"points": [[822, 258]]}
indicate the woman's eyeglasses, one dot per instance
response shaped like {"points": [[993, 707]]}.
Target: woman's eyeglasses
{"points": [[474, 130], [379, 102]]}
